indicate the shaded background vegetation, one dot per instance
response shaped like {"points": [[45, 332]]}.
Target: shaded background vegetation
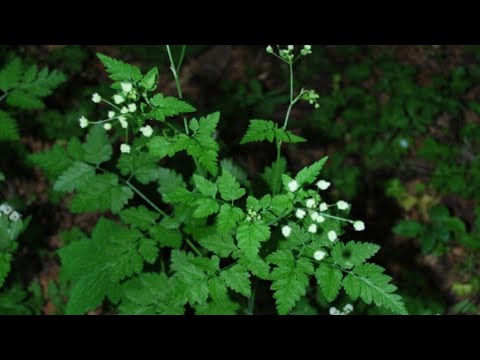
{"points": [[400, 123]]}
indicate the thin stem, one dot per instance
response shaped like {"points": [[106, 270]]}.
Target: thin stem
{"points": [[175, 71], [147, 200], [194, 248], [182, 56], [3, 96], [251, 301], [287, 117], [337, 218]]}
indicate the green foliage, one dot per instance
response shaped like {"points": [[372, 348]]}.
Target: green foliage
{"points": [[263, 130]]}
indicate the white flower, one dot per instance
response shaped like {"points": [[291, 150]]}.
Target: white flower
{"points": [[123, 122], [286, 231], [269, 49], [125, 148], [293, 186], [111, 114], [320, 219], [311, 203], [83, 122], [359, 225], [342, 205], [319, 255], [127, 87], [334, 311], [124, 110], [14, 216], [118, 99], [6, 209], [147, 131], [332, 235], [96, 98], [307, 47], [312, 229], [300, 213], [107, 126], [323, 185], [323, 207], [314, 215], [132, 108], [290, 47], [348, 309]]}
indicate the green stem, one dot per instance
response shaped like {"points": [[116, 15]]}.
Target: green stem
{"points": [[147, 200], [182, 56], [251, 301], [287, 117], [3, 96], [194, 248], [175, 71]]}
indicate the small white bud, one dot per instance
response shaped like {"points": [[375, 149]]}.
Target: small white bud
{"points": [[300, 213], [127, 87], [320, 219], [269, 49], [14, 216], [123, 122], [342, 205], [132, 108], [307, 47], [359, 225], [323, 207], [286, 231], [83, 122], [312, 229], [348, 309], [96, 98], [293, 186], [125, 148], [6, 209], [111, 114], [319, 255], [314, 215], [147, 131], [311, 203], [290, 47], [124, 110], [323, 185], [332, 235], [107, 126], [334, 311], [118, 99]]}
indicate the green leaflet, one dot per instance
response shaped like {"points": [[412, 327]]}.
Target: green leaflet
{"points": [[229, 187], [250, 236], [290, 279], [330, 281], [169, 106]]}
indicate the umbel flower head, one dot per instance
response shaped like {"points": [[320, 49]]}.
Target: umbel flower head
{"points": [[127, 87], [96, 98], [293, 186], [83, 122], [319, 255], [286, 231], [125, 148], [359, 225], [147, 131]]}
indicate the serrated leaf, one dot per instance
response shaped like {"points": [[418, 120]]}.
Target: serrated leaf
{"points": [[309, 174], [288, 137], [228, 218], [53, 161], [139, 217], [149, 81], [370, 284], [223, 246], [148, 250], [169, 106], [250, 236], [8, 127], [260, 130], [290, 279], [96, 266], [166, 237], [143, 166], [101, 193], [75, 176], [330, 281], [205, 186], [229, 187], [120, 71], [205, 207], [237, 279], [97, 147], [257, 266], [11, 74], [353, 253]]}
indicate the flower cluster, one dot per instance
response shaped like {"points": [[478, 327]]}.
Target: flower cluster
{"points": [[287, 54], [252, 215], [124, 107], [314, 213], [347, 309], [7, 210], [312, 97]]}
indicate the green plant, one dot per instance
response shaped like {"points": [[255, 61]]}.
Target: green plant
{"points": [[204, 239]]}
